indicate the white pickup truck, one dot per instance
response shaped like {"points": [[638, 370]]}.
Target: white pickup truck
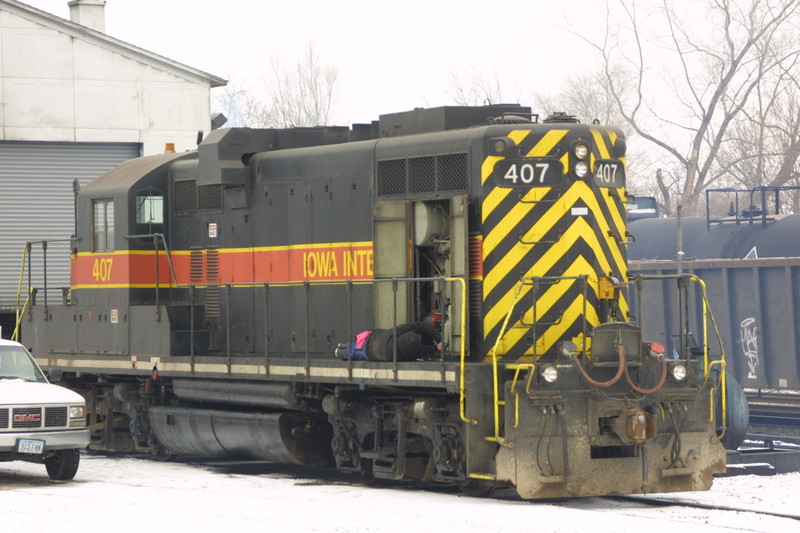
{"points": [[39, 422]]}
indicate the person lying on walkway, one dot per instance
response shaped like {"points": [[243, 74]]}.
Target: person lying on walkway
{"points": [[415, 340]]}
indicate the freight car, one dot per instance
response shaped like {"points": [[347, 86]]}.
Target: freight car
{"points": [[749, 257], [210, 290]]}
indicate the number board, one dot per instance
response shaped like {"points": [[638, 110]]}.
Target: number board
{"points": [[609, 173], [529, 172]]}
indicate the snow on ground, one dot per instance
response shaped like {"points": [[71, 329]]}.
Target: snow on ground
{"points": [[133, 494]]}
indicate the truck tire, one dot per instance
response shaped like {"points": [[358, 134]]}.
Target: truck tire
{"points": [[63, 465]]}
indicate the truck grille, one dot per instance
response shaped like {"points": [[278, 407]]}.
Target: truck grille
{"points": [[31, 417], [55, 417], [26, 417]]}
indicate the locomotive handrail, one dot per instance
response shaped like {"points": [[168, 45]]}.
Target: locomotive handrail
{"points": [[531, 367], [349, 284], [533, 281], [495, 379], [156, 237], [20, 312], [706, 308], [27, 251]]}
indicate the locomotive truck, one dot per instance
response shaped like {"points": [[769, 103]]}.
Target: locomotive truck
{"points": [[209, 291]]}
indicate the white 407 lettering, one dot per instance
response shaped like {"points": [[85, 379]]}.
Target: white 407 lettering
{"points": [[606, 173], [527, 172]]}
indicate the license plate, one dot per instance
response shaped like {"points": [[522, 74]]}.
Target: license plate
{"points": [[30, 446]]}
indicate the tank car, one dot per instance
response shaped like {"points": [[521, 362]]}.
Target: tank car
{"points": [[210, 289], [749, 257]]}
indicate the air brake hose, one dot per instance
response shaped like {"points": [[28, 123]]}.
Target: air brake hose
{"points": [[620, 370], [658, 385]]}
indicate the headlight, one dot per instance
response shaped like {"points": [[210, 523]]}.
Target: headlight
{"points": [[77, 415], [581, 151], [550, 374], [581, 169], [679, 372]]}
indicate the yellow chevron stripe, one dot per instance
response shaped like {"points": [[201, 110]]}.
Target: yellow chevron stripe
{"points": [[616, 216], [557, 332], [518, 136], [510, 221], [612, 136], [601, 144], [580, 228], [547, 143], [554, 333], [492, 200], [541, 227], [551, 296], [585, 193], [540, 149], [488, 166]]}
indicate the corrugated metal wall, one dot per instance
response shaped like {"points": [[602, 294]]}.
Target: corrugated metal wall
{"points": [[37, 202]]}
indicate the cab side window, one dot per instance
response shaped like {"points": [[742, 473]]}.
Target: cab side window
{"points": [[103, 225]]}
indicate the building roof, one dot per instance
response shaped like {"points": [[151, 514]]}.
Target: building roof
{"points": [[110, 43]]}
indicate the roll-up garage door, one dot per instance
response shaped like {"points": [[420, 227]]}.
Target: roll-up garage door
{"points": [[37, 203]]}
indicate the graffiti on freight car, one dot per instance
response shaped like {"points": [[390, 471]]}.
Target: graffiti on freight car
{"points": [[748, 337]]}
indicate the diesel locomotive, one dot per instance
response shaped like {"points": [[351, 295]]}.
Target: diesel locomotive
{"points": [[210, 289]]}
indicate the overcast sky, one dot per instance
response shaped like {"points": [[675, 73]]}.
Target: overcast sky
{"points": [[390, 56]]}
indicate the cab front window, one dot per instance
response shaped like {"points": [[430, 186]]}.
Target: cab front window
{"points": [[149, 212]]}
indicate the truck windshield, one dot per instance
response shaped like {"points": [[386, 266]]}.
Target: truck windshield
{"points": [[16, 363]]}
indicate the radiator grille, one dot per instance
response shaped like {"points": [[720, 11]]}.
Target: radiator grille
{"points": [[212, 276], [209, 197], [196, 269], [392, 177], [421, 174], [3, 418], [447, 172], [185, 196], [451, 172]]}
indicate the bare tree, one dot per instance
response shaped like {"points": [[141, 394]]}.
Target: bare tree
{"points": [[474, 89], [764, 146], [243, 108], [301, 95], [588, 97], [716, 75]]}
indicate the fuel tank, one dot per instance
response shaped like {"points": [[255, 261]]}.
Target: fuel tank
{"points": [[285, 437]]}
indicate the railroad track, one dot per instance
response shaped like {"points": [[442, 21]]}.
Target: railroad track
{"points": [[774, 413], [660, 501]]}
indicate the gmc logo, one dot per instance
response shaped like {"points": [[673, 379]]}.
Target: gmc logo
{"points": [[27, 418]]}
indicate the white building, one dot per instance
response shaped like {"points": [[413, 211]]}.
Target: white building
{"points": [[75, 103]]}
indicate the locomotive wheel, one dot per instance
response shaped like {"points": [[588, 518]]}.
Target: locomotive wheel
{"points": [[63, 464]]}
